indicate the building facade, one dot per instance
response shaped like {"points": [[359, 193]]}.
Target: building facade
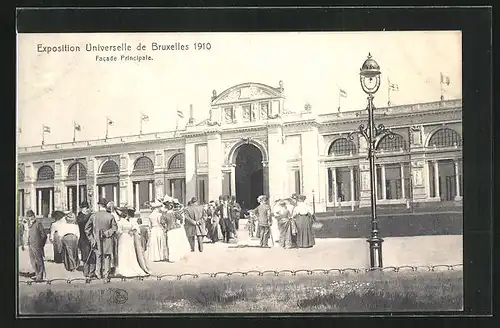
{"points": [[250, 145]]}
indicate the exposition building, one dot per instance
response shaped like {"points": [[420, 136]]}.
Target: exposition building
{"points": [[250, 145]]}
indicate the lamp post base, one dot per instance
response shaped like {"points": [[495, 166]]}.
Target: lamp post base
{"points": [[375, 252]]}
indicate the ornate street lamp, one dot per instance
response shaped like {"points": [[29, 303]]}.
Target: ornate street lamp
{"points": [[370, 83]]}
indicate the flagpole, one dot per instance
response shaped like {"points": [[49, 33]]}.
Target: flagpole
{"points": [[142, 117], [107, 126], [74, 131], [77, 186], [388, 92], [339, 101], [43, 134], [441, 85], [176, 120]]}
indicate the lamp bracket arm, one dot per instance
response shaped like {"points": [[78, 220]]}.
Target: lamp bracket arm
{"points": [[362, 130]]}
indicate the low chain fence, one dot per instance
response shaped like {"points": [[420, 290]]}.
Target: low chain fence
{"points": [[404, 268]]}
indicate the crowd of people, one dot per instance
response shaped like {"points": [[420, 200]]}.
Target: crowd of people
{"points": [[114, 242]]}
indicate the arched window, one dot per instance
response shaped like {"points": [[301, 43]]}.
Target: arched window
{"points": [[177, 162], [45, 173], [342, 147], [445, 138], [82, 172], [20, 174], [392, 144], [110, 167], [144, 165]]}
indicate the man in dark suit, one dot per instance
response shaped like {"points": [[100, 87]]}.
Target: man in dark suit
{"points": [[36, 243], [88, 257], [264, 217], [225, 212], [195, 224], [100, 229]]}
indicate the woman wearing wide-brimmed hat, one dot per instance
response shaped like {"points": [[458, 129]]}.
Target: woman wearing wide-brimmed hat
{"points": [[131, 262], [157, 246], [304, 218]]}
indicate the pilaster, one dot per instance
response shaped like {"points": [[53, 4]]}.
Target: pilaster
{"points": [[365, 188], [124, 182], [276, 165], [215, 162], [190, 156], [310, 168], [60, 192]]}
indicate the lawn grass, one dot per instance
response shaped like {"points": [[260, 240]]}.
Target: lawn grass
{"points": [[352, 292]]}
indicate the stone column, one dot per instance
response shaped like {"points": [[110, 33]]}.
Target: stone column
{"points": [[51, 201], [159, 176], [334, 186], [215, 162], [30, 191], [60, 192], [457, 181], [382, 178], [436, 180], [265, 176], [365, 191], [190, 155], [403, 181], [124, 182], [351, 172], [39, 202], [136, 196], [277, 170]]}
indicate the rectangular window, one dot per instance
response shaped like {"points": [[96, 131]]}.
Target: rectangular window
{"points": [[110, 192], [177, 187], [379, 182], [72, 200], [201, 154], [343, 184], [356, 184], [297, 182], [144, 191], [202, 189], [432, 187], [393, 186], [44, 201]]}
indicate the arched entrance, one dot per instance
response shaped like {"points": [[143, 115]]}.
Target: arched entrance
{"points": [[249, 175]]}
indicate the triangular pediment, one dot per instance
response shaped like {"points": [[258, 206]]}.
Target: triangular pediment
{"points": [[246, 92]]}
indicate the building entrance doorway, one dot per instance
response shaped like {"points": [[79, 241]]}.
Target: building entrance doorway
{"points": [[249, 176]]}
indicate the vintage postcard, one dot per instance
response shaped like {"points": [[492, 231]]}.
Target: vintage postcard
{"points": [[239, 172]]}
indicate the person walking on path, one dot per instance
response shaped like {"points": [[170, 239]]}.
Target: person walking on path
{"points": [[304, 219], [36, 243], [88, 257], [195, 224], [264, 217], [70, 233], [100, 230]]}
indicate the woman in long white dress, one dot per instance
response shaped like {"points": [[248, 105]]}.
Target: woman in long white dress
{"points": [[128, 264], [179, 244], [157, 244]]}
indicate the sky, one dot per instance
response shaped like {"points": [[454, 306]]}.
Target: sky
{"points": [[58, 88]]}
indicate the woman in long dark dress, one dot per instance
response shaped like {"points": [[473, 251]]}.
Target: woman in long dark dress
{"points": [[70, 233], [304, 219], [55, 235], [287, 226]]}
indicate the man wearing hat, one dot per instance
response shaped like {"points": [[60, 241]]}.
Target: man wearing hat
{"points": [[264, 217], [225, 212], [88, 257], [100, 229], [36, 243], [195, 224]]}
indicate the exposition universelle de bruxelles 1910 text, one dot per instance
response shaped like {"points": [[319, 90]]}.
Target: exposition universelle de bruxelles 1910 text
{"points": [[127, 52]]}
